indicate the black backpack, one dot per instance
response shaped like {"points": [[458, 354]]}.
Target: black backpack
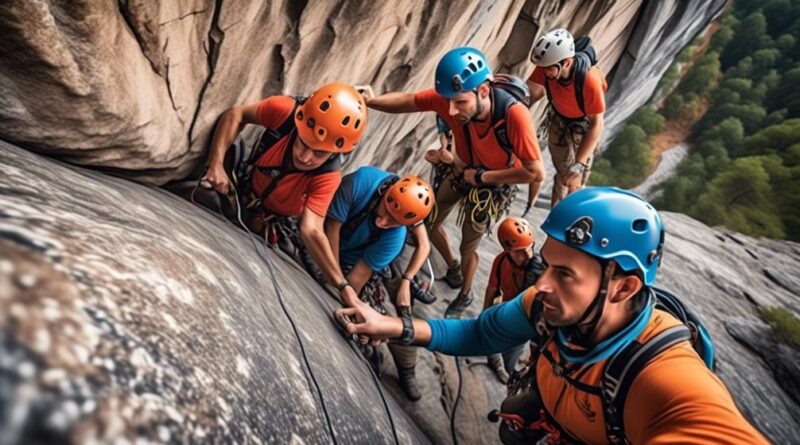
{"points": [[621, 370], [585, 58], [269, 137]]}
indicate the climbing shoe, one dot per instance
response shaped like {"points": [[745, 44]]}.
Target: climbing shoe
{"points": [[495, 362], [453, 278], [458, 306], [408, 383], [421, 291]]}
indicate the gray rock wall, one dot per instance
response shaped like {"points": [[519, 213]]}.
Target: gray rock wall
{"points": [[127, 312]]}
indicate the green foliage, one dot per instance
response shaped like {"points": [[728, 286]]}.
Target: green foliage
{"points": [[648, 119], [702, 76], [750, 36], [740, 199], [784, 325], [787, 93], [626, 162], [670, 77]]}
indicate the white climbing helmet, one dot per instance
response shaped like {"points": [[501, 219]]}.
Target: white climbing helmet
{"points": [[553, 47]]}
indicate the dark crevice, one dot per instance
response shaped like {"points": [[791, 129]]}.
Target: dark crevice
{"points": [[278, 62], [776, 281], [128, 17], [215, 36], [169, 88], [183, 17], [294, 10], [750, 252]]}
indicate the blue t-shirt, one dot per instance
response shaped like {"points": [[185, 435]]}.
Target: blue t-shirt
{"points": [[351, 199]]}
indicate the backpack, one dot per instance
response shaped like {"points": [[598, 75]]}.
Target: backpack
{"points": [[268, 139], [621, 370], [585, 58], [353, 223]]}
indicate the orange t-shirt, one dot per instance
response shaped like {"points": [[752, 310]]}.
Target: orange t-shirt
{"points": [[294, 191], [486, 151], [594, 89], [511, 276], [674, 399]]}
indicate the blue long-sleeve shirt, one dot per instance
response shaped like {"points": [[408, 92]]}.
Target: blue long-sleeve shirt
{"points": [[497, 329]]}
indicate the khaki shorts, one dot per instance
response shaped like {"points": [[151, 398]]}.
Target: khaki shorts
{"points": [[471, 232], [563, 144]]}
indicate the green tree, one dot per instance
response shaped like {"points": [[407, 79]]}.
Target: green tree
{"points": [[629, 154], [751, 35], [787, 93], [702, 76], [673, 106], [724, 33], [728, 132], [740, 199], [648, 119]]}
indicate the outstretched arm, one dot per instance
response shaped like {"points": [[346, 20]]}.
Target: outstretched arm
{"points": [[496, 330]]}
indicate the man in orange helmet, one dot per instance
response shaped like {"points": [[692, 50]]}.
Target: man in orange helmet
{"points": [[367, 224], [515, 269], [289, 179]]}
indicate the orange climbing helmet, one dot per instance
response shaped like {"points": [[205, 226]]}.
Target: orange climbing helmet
{"points": [[409, 200], [332, 118], [515, 233]]}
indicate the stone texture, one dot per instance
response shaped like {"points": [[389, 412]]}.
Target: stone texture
{"points": [[135, 87], [127, 312]]}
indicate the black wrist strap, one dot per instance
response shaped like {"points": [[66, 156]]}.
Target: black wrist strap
{"points": [[407, 337], [342, 285]]}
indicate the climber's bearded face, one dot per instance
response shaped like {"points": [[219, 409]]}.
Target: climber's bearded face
{"points": [[468, 105], [306, 158]]}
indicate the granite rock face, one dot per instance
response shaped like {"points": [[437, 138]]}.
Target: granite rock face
{"points": [[135, 87], [127, 312]]}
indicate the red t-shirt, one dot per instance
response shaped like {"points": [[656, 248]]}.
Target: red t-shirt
{"points": [[594, 89], [511, 276], [486, 151], [295, 191]]}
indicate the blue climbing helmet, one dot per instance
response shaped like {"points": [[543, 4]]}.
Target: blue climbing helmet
{"points": [[610, 224], [461, 69]]}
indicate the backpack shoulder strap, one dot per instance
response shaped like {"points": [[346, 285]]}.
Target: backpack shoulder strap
{"points": [[270, 136], [622, 369], [501, 103], [582, 67], [533, 270], [351, 225]]}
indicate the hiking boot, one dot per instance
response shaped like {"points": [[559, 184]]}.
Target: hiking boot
{"points": [[458, 306], [495, 361], [422, 293], [408, 382], [453, 278]]}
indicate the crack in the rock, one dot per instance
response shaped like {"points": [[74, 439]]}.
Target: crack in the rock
{"points": [[183, 17], [215, 37]]}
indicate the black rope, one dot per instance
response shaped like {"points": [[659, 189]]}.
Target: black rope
{"points": [[455, 404]]}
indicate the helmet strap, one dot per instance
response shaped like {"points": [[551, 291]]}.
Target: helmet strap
{"points": [[585, 327]]}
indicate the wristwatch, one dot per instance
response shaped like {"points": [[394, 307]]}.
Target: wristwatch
{"points": [[578, 168], [407, 337]]}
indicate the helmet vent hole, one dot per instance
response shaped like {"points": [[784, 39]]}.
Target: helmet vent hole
{"points": [[402, 189], [358, 123], [546, 47], [310, 122], [480, 64], [345, 121], [321, 132], [300, 115], [339, 142], [640, 225], [409, 215], [419, 195], [324, 106], [472, 67], [465, 74], [559, 42], [427, 200]]}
